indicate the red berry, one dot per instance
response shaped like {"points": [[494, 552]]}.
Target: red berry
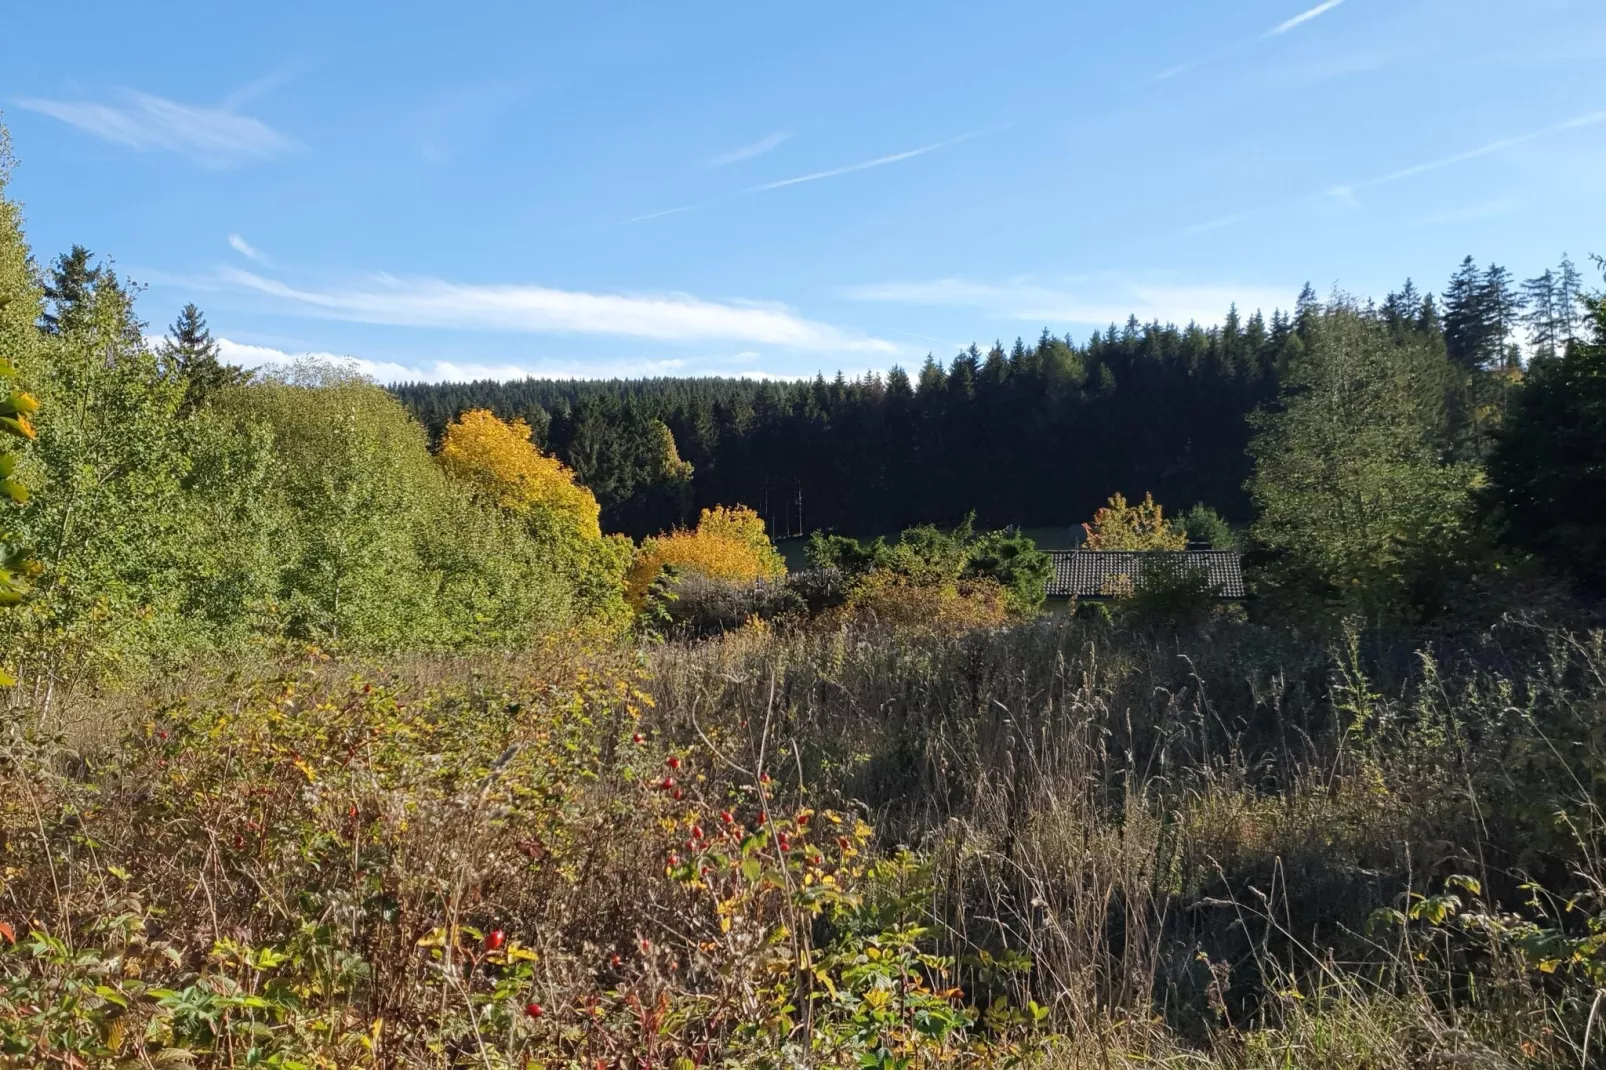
{"points": [[533, 1009], [638, 738], [697, 832], [672, 761], [667, 782], [842, 842], [495, 939], [674, 860], [239, 841], [785, 841], [646, 946], [678, 795], [725, 816], [614, 961]]}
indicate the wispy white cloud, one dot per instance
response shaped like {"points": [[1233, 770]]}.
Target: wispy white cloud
{"points": [[244, 248], [1094, 300], [673, 317], [1303, 17], [813, 176], [260, 87], [880, 161], [1244, 45], [1577, 122], [216, 137], [1346, 192], [1219, 223], [747, 152], [772, 377], [446, 371], [928, 338], [656, 215]]}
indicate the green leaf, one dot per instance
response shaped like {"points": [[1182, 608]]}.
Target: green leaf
{"points": [[111, 995]]}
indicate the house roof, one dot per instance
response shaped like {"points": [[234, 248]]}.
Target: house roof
{"points": [[1099, 573]]}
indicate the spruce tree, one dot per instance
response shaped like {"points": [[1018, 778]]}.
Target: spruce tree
{"points": [[1569, 301], [1503, 305], [1543, 316], [69, 289], [1466, 317], [1401, 308], [1548, 473], [190, 352]]}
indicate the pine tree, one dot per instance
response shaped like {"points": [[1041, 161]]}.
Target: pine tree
{"points": [[190, 352]]}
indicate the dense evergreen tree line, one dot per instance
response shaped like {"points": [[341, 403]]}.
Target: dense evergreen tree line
{"points": [[1035, 434]]}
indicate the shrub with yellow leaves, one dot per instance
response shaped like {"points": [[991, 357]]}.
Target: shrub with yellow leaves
{"points": [[729, 543], [945, 607], [499, 458]]}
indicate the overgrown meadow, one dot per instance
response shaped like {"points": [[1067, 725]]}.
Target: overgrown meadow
{"points": [[331, 742]]}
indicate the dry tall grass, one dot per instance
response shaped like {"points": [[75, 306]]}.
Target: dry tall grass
{"points": [[1214, 848]]}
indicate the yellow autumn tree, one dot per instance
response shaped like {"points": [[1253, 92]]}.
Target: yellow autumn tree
{"points": [[498, 458], [1140, 526], [729, 543]]}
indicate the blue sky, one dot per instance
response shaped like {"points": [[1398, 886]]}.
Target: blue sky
{"points": [[780, 189]]}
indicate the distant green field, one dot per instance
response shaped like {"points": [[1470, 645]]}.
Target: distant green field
{"points": [[1046, 539]]}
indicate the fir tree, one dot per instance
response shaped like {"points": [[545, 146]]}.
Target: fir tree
{"points": [[1569, 301], [1503, 305], [1466, 318], [190, 352], [1543, 316], [69, 290]]}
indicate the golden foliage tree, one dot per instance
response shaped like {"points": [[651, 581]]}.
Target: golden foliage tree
{"points": [[499, 458], [15, 408], [1141, 526], [729, 543]]}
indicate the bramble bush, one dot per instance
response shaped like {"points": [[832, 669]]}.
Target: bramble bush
{"points": [[322, 870]]}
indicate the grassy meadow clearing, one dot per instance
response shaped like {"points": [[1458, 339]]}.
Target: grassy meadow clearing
{"points": [[1061, 844]]}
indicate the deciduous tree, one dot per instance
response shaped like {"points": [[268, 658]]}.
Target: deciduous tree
{"points": [[1140, 526]]}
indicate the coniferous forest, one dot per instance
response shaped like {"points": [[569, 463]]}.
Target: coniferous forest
{"points": [[1035, 434]]}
